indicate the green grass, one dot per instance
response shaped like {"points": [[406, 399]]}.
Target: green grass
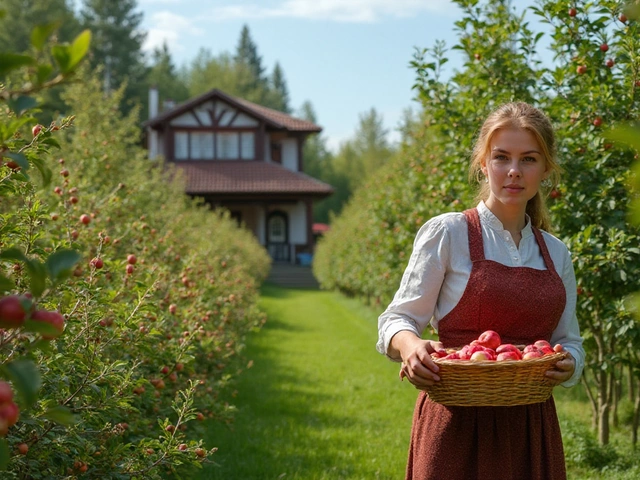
{"points": [[321, 403]]}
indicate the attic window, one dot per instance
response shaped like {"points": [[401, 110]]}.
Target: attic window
{"points": [[208, 145]]}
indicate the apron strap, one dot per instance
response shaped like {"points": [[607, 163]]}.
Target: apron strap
{"points": [[476, 246], [543, 249]]}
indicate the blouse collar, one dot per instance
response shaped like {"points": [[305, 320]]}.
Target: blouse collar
{"points": [[490, 220]]}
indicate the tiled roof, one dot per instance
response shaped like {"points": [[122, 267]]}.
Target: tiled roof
{"points": [[247, 177], [286, 121], [273, 118]]}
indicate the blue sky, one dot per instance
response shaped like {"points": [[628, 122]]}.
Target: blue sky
{"points": [[344, 56]]}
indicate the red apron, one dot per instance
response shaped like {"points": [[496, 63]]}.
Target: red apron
{"points": [[523, 305]]}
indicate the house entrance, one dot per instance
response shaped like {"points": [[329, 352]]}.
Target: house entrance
{"points": [[278, 236]]}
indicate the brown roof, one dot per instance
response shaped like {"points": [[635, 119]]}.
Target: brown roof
{"points": [[273, 118], [247, 177]]}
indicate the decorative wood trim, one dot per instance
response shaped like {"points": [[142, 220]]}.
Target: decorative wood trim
{"points": [[194, 115], [235, 115], [222, 112]]}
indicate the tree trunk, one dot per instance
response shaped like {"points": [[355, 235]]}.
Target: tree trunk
{"points": [[604, 407], [593, 402], [635, 422]]}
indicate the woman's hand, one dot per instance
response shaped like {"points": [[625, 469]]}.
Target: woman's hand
{"points": [[563, 370], [417, 365]]}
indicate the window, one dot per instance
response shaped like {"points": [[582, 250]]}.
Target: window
{"points": [[207, 145], [202, 145], [247, 146], [181, 148], [227, 145]]}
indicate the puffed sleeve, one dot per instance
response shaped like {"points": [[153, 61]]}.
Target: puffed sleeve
{"points": [[567, 333], [413, 304]]}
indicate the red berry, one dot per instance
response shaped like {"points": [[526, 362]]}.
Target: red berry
{"points": [[12, 311], [64, 172], [54, 318], [597, 121], [97, 262], [573, 12], [610, 63], [36, 129], [131, 259], [58, 190], [604, 47], [85, 219], [130, 269], [73, 200], [622, 18], [23, 449], [182, 447]]}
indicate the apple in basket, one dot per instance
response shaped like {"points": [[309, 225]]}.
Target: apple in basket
{"points": [[508, 355], [489, 339], [508, 347]]}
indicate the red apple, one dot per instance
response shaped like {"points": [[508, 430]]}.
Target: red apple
{"points": [[542, 343], [581, 70], [23, 449], [97, 262], [532, 354], [479, 356], [36, 130], [54, 318], [597, 121], [489, 339], [131, 259], [6, 393], [12, 311], [9, 412], [452, 356], [622, 18], [85, 219], [507, 355]]}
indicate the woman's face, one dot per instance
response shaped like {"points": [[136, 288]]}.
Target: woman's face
{"points": [[515, 166]]}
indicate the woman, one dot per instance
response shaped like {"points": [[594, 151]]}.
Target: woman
{"points": [[489, 268]]}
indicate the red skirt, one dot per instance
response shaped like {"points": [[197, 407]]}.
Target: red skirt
{"points": [[519, 442]]}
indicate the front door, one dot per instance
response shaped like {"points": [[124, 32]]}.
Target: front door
{"points": [[278, 236]]}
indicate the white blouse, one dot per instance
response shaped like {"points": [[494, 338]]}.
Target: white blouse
{"points": [[440, 266]]}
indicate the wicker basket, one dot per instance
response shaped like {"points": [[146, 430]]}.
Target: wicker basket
{"points": [[490, 383]]}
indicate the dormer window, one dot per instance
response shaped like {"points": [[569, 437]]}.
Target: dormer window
{"points": [[218, 145]]}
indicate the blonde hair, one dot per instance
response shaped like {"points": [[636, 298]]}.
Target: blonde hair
{"points": [[519, 115]]}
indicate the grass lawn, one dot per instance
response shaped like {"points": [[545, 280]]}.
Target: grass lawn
{"points": [[321, 403]]}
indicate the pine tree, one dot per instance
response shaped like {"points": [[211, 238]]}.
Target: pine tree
{"points": [[247, 55], [163, 75], [117, 45], [280, 90]]}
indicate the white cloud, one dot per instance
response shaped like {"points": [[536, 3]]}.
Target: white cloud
{"points": [[169, 27], [353, 11]]}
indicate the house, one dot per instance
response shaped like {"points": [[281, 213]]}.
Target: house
{"points": [[246, 158]]}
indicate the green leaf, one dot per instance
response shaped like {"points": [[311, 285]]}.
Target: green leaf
{"points": [[22, 104], [627, 134], [43, 72], [42, 328], [20, 159], [12, 61], [61, 263], [38, 276], [25, 377], [61, 415], [44, 170], [40, 34], [79, 48], [5, 455], [6, 284], [13, 254], [62, 56]]}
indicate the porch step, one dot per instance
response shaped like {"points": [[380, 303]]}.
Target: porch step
{"points": [[292, 276]]}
